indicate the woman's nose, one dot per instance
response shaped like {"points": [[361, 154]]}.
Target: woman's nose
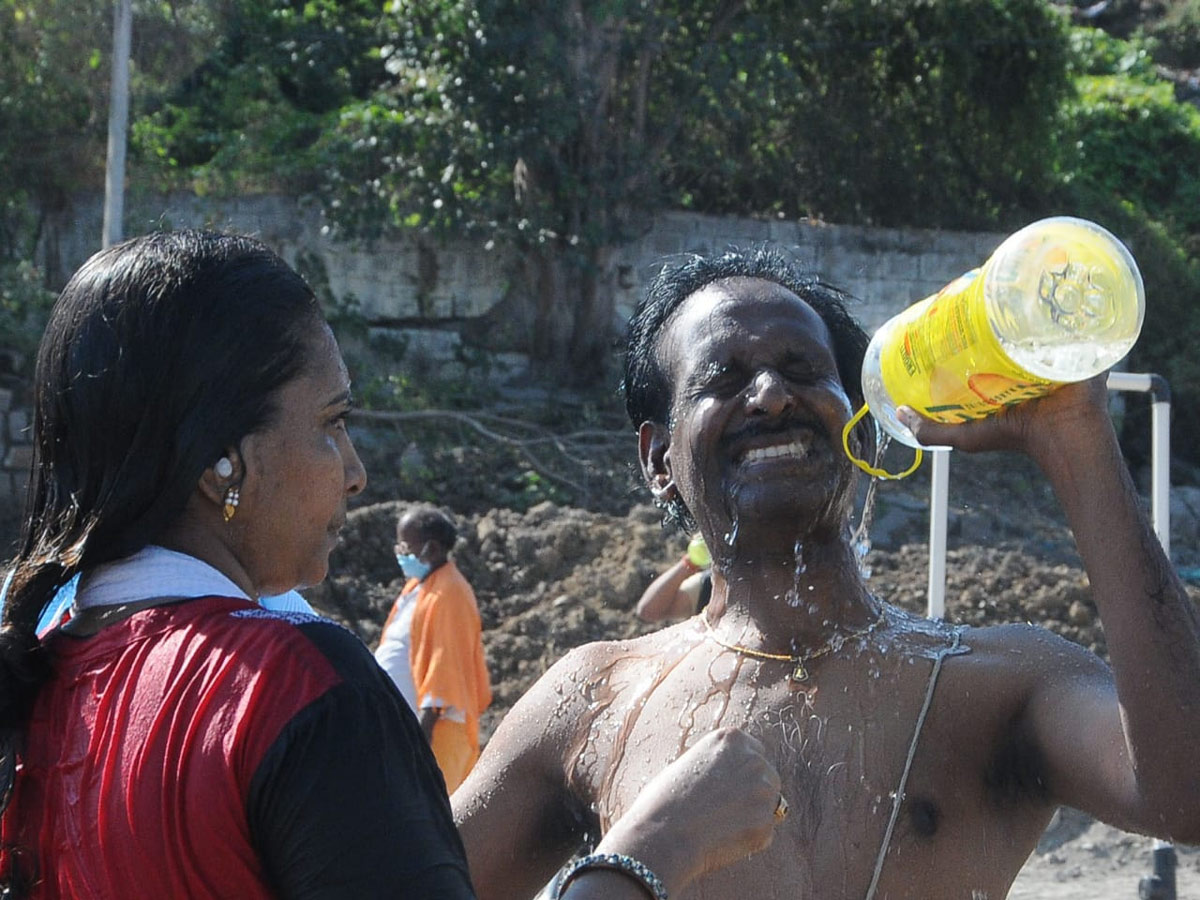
{"points": [[356, 472]]}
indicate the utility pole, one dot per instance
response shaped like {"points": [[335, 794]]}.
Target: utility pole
{"points": [[118, 124]]}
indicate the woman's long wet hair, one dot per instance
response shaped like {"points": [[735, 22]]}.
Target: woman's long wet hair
{"points": [[160, 354]]}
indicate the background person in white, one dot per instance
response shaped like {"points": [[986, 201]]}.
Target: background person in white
{"points": [[393, 653], [432, 642]]}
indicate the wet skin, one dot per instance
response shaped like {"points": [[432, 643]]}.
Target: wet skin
{"points": [[1020, 722]]}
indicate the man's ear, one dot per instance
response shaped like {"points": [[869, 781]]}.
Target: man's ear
{"points": [[226, 472], [654, 455]]}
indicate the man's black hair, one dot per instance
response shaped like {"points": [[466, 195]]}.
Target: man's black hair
{"points": [[433, 525]]}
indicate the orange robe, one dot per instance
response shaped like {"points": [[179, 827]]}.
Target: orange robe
{"points": [[448, 667]]}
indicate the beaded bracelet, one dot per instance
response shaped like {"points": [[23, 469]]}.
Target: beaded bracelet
{"points": [[626, 865]]}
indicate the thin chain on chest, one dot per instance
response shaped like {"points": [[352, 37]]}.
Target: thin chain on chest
{"points": [[799, 661]]}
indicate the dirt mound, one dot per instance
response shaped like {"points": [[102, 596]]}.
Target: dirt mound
{"points": [[547, 580], [552, 578]]}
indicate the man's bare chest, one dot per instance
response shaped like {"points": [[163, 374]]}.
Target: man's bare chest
{"points": [[876, 788]]}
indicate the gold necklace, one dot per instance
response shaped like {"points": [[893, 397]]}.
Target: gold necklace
{"points": [[800, 671]]}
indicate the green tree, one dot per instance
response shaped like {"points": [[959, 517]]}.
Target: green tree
{"points": [[52, 72], [55, 65], [1131, 160], [271, 80], [543, 124], [899, 113], [562, 126]]}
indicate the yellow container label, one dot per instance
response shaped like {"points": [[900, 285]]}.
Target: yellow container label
{"points": [[943, 359]]}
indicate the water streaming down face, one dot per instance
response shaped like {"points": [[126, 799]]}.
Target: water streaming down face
{"points": [[730, 537], [860, 540], [726, 552], [793, 596]]}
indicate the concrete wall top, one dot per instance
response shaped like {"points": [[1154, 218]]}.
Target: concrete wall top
{"points": [[411, 280]]}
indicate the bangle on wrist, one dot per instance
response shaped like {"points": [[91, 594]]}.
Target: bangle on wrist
{"points": [[618, 862]]}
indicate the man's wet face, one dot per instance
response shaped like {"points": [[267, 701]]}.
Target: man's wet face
{"points": [[757, 410]]}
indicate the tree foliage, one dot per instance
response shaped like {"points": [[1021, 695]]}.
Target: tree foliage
{"points": [[567, 120], [270, 83], [51, 78], [906, 112], [1131, 160], [560, 127]]}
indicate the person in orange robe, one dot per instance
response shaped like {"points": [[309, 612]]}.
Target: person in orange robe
{"points": [[432, 642]]}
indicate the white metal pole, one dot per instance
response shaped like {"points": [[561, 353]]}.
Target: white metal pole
{"points": [[939, 502], [118, 123], [1160, 471], [1160, 499], [1162, 882]]}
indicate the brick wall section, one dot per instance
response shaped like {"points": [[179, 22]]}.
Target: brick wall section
{"points": [[16, 452], [887, 269]]}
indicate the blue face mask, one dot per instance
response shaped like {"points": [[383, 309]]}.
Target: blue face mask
{"points": [[412, 566]]}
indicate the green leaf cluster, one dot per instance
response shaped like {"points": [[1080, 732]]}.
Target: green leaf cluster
{"points": [[24, 308], [53, 97], [568, 123], [562, 126], [888, 112], [1130, 159], [1177, 35], [270, 83]]}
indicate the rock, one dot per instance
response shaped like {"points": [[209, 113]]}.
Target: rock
{"points": [[1078, 613]]}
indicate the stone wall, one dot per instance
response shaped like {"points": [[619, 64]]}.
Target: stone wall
{"points": [[424, 292], [16, 451], [423, 295]]}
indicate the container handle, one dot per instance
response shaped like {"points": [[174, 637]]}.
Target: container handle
{"points": [[874, 472]]}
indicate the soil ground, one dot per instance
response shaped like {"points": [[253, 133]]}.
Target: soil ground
{"points": [[553, 577]]}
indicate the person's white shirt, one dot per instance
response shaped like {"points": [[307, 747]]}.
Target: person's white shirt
{"points": [[394, 654], [153, 566]]}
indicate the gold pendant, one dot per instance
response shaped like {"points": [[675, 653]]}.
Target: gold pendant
{"points": [[799, 673]]}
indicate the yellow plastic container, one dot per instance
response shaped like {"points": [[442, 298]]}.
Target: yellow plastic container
{"points": [[697, 552], [1060, 300]]}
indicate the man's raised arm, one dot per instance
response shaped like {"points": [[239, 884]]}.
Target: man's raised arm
{"points": [[1125, 755]]}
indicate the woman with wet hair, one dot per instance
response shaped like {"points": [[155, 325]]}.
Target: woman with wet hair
{"points": [[171, 737]]}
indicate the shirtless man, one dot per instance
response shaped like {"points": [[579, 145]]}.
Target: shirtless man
{"points": [[920, 760]]}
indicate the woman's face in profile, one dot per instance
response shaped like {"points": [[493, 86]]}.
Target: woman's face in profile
{"points": [[300, 472]]}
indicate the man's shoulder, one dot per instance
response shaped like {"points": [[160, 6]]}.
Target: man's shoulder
{"points": [[603, 657], [1006, 665], [1022, 645]]}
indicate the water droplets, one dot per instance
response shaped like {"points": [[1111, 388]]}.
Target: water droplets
{"points": [[860, 539], [799, 568], [730, 537]]}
